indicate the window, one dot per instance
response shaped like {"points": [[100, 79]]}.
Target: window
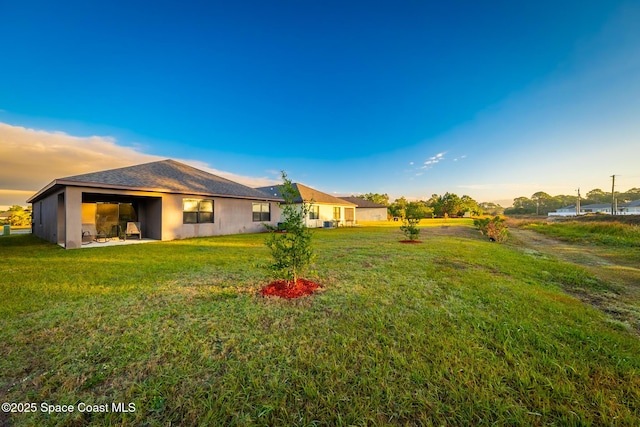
{"points": [[261, 212], [314, 212], [197, 211], [336, 212]]}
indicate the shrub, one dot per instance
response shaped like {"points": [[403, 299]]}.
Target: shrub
{"points": [[410, 228], [494, 228]]}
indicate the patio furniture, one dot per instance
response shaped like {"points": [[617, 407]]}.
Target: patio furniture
{"points": [[89, 233], [133, 228]]}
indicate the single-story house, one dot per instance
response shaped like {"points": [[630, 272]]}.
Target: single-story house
{"points": [[631, 208], [367, 210], [169, 200], [325, 209]]}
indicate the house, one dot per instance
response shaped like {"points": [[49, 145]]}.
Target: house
{"points": [[169, 199], [631, 208], [326, 210], [367, 210]]}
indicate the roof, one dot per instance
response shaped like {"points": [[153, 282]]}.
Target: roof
{"points": [[596, 206], [363, 203], [166, 176], [635, 203], [307, 194]]}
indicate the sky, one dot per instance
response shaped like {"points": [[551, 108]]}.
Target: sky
{"points": [[495, 100]]}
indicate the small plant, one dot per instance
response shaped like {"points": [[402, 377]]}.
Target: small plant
{"points": [[410, 228], [494, 228], [411, 216], [291, 251]]}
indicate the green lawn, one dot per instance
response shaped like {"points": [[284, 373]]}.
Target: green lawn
{"points": [[456, 330], [615, 239]]}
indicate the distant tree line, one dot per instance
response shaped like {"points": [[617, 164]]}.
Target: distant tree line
{"points": [[16, 216], [448, 204], [541, 203]]}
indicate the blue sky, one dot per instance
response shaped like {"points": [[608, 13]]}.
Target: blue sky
{"points": [[491, 99]]}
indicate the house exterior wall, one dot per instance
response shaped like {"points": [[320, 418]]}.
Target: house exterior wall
{"points": [[45, 218], [230, 216], [372, 214], [326, 214]]}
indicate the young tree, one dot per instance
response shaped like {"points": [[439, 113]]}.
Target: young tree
{"points": [[291, 251], [413, 213]]}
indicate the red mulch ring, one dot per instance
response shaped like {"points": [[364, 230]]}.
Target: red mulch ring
{"points": [[282, 288], [410, 241]]}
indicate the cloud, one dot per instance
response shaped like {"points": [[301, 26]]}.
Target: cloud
{"points": [[427, 164], [31, 158]]}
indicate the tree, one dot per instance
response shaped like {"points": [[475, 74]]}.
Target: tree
{"points": [[397, 208], [413, 213], [469, 205], [491, 208], [291, 251], [18, 216], [381, 199], [448, 204], [598, 196]]}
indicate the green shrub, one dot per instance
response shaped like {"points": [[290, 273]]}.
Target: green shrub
{"points": [[291, 250], [494, 228], [410, 228]]}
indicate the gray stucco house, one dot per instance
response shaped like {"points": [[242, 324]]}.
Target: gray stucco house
{"points": [[368, 210], [170, 200]]}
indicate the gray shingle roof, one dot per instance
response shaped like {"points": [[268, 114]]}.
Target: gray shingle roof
{"points": [[167, 176], [363, 203], [307, 194]]}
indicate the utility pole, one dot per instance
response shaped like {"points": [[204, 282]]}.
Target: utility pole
{"points": [[578, 203], [613, 194]]}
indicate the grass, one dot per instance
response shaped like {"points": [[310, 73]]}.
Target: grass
{"points": [[600, 233], [456, 330], [618, 238]]}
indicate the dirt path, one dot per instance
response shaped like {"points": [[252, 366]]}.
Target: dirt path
{"points": [[564, 251], [621, 302]]}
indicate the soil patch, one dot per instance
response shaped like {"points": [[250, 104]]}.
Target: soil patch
{"points": [[284, 289], [410, 241]]}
